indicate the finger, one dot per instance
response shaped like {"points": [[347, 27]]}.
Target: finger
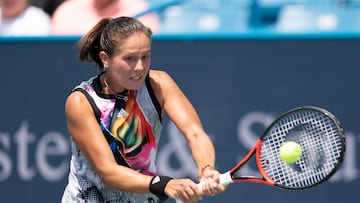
{"points": [[210, 187], [190, 193]]}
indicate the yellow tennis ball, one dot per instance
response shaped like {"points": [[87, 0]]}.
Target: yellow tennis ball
{"points": [[290, 152]]}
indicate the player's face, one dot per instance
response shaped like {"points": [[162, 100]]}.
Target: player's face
{"points": [[130, 63]]}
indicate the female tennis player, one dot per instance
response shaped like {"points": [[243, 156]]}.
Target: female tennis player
{"points": [[115, 119]]}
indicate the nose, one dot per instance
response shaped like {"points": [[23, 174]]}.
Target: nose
{"points": [[139, 65], [142, 64]]}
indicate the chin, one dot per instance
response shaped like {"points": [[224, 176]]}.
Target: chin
{"points": [[135, 86]]}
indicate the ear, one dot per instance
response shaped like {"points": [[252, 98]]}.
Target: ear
{"points": [[104, 58]]}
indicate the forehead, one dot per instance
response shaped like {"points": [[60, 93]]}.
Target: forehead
{"points": [[134, 43]]}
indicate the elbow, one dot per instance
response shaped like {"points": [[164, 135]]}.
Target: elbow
{"points": [[109, 176], [125, 179], [197, 138]]}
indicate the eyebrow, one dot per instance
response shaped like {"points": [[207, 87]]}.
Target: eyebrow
{"points": [[133, 52]]}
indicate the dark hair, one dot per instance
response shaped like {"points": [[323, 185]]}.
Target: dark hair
{"points": [[106, 35]]}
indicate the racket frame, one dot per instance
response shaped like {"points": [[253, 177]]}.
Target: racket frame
{"points": [[228, 177]]}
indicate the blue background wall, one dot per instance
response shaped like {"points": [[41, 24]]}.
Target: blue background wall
{"points": [[238, 85]]}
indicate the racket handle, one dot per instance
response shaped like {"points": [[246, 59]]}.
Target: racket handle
{"points": [[178, 201], [224, 179]]}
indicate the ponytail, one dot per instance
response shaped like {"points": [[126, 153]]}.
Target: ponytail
{"points": [[89, 44]]}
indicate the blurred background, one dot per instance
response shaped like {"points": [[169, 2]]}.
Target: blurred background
{"points": [[242, 63], [243, 16]]}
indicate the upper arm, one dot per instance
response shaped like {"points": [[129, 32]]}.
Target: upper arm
{"points": [[176, 104], [181, 112], [86, 132]]}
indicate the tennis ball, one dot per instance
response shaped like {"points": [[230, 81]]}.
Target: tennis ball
{"points": [[290, 152]]}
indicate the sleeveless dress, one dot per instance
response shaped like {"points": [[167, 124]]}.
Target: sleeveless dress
{"points": [[131, 123]]}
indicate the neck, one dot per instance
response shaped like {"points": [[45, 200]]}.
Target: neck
{"points": [[109, 89], [120, 95]]}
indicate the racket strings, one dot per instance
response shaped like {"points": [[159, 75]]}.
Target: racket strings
{"points": [[321, 145]]}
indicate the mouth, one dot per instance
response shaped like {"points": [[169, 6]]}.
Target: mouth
{"points": [[135, 78]]}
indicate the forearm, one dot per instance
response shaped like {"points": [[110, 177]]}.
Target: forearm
{"points": [[125, 179], [202, 150]]}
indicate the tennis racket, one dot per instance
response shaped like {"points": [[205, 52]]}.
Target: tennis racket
{"points": [[321, 138]]}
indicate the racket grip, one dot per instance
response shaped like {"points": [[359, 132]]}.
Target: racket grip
{"points": [[225, 178], [178, 201]]}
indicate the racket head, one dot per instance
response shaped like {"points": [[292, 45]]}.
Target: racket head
{"points": [[321, 138]]}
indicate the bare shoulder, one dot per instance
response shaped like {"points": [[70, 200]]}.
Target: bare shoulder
{"points": [[159, 75], [161, 79], [77, 102], [75, 97]]}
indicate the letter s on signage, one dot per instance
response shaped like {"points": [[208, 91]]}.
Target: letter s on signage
{"points": [[247, 124], [5, 161]]}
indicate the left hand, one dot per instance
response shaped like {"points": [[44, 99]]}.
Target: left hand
{"points": [[209, 179]]}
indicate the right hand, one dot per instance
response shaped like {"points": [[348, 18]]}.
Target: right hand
{"points": [[184, 189], [209, 180]]}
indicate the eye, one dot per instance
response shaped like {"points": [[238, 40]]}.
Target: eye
{"points": [[129, 58], [145, 57]]}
